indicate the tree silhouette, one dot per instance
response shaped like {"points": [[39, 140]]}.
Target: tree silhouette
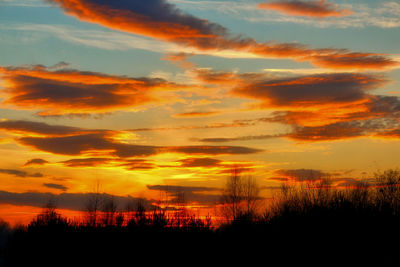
{"points": [[240, 196], [93, 205]]}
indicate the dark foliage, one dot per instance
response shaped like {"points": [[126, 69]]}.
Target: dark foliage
{"points": [[312, 225]]}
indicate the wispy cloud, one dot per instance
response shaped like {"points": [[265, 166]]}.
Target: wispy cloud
{"points": [[175, 26], [56, 186], [102, 39], [310, 8], [382, 15], [72, 201], [68, 91], [19, 173], [33, 162]]}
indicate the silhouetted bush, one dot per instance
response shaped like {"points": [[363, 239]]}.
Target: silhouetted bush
{"points": [[311, 224]]}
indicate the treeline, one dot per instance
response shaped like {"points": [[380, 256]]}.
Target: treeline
{"points": [[313, 223]]}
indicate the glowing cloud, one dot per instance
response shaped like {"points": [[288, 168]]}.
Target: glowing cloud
{"points": [[19, 173], [162, 20], [311, 91], [35, 162], [79, 92], [313, 8]]}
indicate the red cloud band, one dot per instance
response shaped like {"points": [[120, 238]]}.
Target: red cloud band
{"points": [[320, 9], [78, 92], [161, 20]]}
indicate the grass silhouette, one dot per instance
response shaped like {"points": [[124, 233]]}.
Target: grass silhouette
{"points": [[315, 224]]}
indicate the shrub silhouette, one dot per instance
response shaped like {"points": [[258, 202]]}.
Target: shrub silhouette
{"points": [[312, 224]]}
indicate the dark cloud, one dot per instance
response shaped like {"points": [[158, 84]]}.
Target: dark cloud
{"points": [[72, 201], [86, 162], [341, 130], [69, 145], [36, 162], [320, 107], [307, 91], [128, 164], [164, 21], [103, 142], [200, 162], [137, 164], [310, 8], [197, 114], [189, 194], [21, 174], [303, 175], [56, 186], [213, 150], [69, 92], [37, 128], [239, 138]]}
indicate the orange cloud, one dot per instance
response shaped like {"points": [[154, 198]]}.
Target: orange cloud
{"points": [[180, 59], [164, 21], [38, 128], [36, 162], [200, 162], [313, 8], [75, 141], [320, 107], [19, 173], [310, 91], [196, 114], [78, 92]]}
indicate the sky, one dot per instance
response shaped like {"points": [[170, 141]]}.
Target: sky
{"points": [[146, 99]]}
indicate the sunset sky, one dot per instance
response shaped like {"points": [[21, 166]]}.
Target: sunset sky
{"points": [[156, 96]]}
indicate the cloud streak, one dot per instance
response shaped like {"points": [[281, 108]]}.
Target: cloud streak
{"points": [[311, 8], [173, 25], [67, 91], [20, 174], [319, 107], [71, 201], [75, 141]]}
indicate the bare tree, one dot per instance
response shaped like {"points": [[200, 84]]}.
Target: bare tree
{"points": [[240, 196], [109, 210], [93, 205], [251, 197]]}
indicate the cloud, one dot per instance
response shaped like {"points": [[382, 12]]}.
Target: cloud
{"points": [[302, 175], [373, 14], [311, 8], [86, 162], [337, 131], [194, 127], [20, 174], [334, 179], [56, 186], [101, 39], [196, 114], [63, 140], [189, 194], [164, 21], [35, 162], [137, 164], [240, 138], [40, 128], [200, 162], [180, 59], [72, 201], [212, 150], [311, 91], [67, 91], [128, 164], [103, 143]]}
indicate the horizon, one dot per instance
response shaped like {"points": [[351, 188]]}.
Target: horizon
{"points": [[162, 97]]}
